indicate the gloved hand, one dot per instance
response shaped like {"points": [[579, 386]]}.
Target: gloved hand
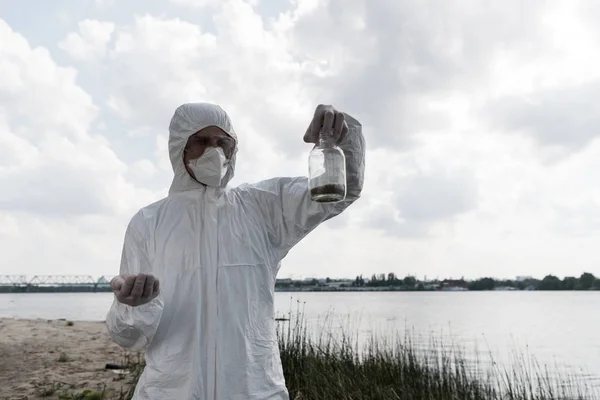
{"points": [[330, 120], [135, 290]]}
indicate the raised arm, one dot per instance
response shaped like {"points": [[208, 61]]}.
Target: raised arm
{"points": [[285, 203], [133, 327]]}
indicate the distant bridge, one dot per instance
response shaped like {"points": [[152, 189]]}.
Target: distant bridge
{"points": [[54, 281]]}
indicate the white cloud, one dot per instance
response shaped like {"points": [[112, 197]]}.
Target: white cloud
{"points": [[566, 117], [58, 166], [90, 42], [56, 174], [143, 169], [463, 106], [104, 3], [197, 4]]}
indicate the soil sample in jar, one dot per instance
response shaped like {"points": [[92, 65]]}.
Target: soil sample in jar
{"points": [[328, 193], [327, 170]]}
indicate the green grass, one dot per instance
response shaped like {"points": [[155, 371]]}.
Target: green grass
{"points": [[64, 391], [393, 369]]}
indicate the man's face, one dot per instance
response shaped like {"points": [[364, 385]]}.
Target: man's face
{"points": [[211, 136]]}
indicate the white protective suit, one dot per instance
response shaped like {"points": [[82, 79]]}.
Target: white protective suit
{"points": [[211, 332]]}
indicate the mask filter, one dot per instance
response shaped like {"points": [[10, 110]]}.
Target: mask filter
{"points": [[210, 167]]}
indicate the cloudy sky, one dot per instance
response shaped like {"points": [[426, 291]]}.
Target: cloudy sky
{"points": [[481, 120]]}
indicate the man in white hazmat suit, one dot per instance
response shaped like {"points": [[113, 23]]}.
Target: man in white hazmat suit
{"points": [[208, 330]]}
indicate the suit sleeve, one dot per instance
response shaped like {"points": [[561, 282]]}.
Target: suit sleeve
{"points": [[133, 328], [285, 203]]}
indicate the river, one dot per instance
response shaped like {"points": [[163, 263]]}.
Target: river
{"points": [[557, 329]]}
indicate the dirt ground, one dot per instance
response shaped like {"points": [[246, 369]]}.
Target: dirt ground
{"points": [[42, 359]]}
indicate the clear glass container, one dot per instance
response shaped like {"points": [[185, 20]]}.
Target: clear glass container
{"points": [[327, 171]]}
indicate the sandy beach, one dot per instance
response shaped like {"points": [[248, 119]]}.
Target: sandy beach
{"points": [[42, 359]]}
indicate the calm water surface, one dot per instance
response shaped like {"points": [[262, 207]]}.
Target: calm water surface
{"points": [[559, 329]]}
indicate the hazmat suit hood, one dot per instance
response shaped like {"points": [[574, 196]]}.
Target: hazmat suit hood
{"points": [[188, 119]]}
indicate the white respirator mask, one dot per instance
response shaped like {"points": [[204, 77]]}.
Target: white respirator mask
{"points": [[210, 167]]}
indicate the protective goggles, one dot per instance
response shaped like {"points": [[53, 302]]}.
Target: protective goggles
{"points": [[202, 142]]}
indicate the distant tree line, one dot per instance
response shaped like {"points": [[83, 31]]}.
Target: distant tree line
{"points": [[378, 280], [586, 281]]}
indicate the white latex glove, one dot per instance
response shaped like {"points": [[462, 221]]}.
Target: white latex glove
{"points": [[135, 290], [330, 121]]}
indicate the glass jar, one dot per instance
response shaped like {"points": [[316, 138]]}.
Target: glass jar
{"points": [[327, 170]]}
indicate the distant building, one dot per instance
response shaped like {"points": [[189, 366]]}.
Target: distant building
{"points": [[320, 280], [523, 278], [454, 289], [337, 284]]}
